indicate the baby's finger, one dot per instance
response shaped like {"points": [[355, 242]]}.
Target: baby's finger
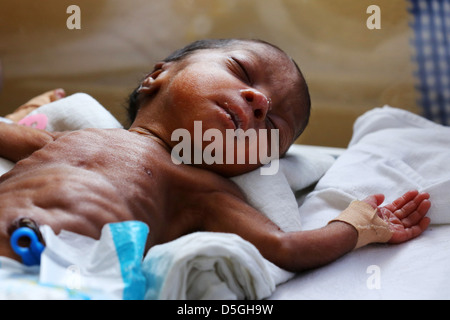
{"points": [[416, 216], [374, 200], [400, 202], [57, 94], [411, 206]]}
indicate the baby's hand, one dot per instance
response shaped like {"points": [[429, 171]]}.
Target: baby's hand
{"points": [[405, 216]]}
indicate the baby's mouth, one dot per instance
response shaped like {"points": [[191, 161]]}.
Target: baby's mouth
{"points": [[234, 115]]}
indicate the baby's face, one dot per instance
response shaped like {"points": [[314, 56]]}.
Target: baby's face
{"points": [[244, 86]]}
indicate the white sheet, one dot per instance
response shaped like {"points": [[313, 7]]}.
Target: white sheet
{"points": [[391, 151]]}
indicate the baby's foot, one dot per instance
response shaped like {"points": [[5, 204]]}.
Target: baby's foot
{"points": [[35, 103]]}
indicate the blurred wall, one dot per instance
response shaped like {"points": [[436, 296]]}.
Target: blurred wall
{"points": [[350, 69]]}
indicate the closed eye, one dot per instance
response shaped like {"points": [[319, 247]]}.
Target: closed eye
{"points": [[242, 71]]}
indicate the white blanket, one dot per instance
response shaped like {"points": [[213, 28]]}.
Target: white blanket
{"points": [[391, 151], [222, 266], [234, 266]]}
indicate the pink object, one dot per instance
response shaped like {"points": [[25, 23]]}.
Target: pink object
{"points": [[38, 121]]}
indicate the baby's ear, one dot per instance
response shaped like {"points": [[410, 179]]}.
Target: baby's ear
{"points": [[150, 84]]}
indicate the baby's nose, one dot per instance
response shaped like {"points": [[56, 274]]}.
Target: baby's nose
{"points": [[258, 101]]}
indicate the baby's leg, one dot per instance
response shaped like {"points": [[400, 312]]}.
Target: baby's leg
{"points": [[35, 103]]}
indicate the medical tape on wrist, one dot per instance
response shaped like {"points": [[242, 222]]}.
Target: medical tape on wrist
{"points": [[364, 218]]}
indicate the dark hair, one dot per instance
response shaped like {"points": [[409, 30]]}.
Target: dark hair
{"points": [[134, 101]]}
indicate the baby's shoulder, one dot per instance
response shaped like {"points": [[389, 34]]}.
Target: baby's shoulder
{"points": [[211, 183]]}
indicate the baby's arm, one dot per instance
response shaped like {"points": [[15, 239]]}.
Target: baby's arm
{"points": [[18, 142], [297, 251]]}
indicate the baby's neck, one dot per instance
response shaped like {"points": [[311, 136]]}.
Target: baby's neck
{"points": [[149, 134]]}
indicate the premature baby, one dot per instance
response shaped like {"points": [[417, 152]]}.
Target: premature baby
{"points": [[80, 181]]}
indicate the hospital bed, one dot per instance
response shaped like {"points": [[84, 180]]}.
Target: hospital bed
{"points": [[391, 151]]}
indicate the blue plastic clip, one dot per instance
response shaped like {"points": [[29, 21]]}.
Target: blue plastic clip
{"points": [[31, 255]]}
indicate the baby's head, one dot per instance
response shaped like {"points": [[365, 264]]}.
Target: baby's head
{"points": [[224, 84]]}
